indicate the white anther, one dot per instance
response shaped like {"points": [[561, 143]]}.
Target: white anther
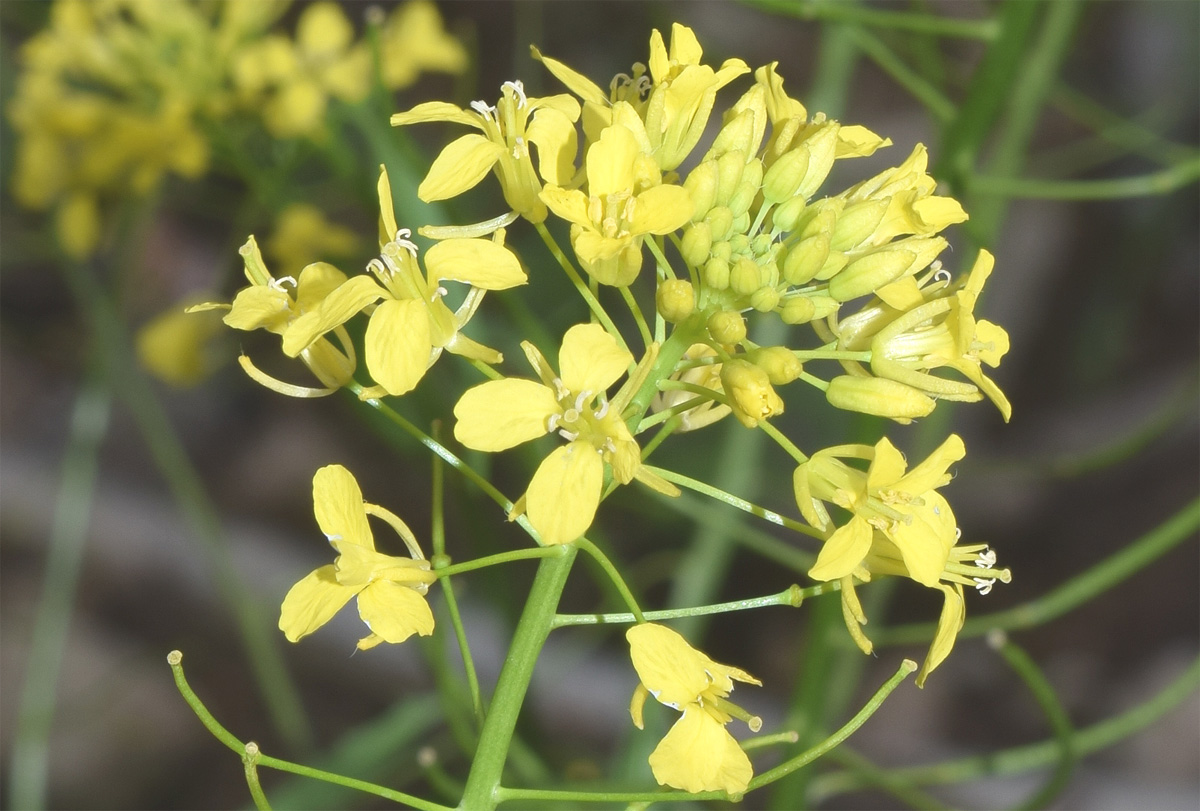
{"points": [[957, 530], [437, 294], [609, 445], [519, 89], [402, 240], [277, 284], [942, 275], [560, 390], [581, 399], [484, 109], [986, 559], [570, 436], [984, 585], [603, 409], [553, 422]]}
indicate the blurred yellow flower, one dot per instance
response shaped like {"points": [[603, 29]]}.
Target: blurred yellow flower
{"points": [[303, 235], [390, 590], [174, 346], [413, 40], [698, 753]]}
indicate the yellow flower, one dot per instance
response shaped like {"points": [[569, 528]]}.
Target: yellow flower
{"points": [[565, 491], [173, 346], [913, 328], [267, 304], [390, 590], [698, 753], [625, 201], [508, 130], [292, 81], [409, 329], [413, 40]]}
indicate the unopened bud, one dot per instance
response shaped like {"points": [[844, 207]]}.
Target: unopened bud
{"points": [[869, 273], [701, 185], [764, 299], [783, 179], [743, 198], [805, 258], [729, 170], [878, 396], [780, 363], [822, 148], [716, 272], [857, 223], [785, 216], [727, 327], [696, 244], [720, 220], [676, 299], [797, 310], [750, 392], [744, 277]]}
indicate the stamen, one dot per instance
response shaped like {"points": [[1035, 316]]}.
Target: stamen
{"points": [[609, 445], [560, 391], [519, 89], [437, 294], [603, 409], [984, 585], [570, 436], [403, 241], [986, 559], [553, 421], [942, 275], [957, 531], [484, 109], [581, 399], [277, 284]]}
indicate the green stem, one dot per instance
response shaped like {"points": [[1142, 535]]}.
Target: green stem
{"points": [[640, 319], [613, 575], [501, 557], [1148, 185], [682, 337], [793, 597], [783, 442], [734, 501], [483, 790], [175, 660], [910, 21], [940, 107], [593, 303], [29, 763], [1076, 591], [250, 762]]}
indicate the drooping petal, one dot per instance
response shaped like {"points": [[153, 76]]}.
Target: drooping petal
{"points": [[501, 414], [565, 492], [398, 344], [317, 281], [590, 359], [312, 602], [338, 504], [460, 166], [950, 622], [844, 550], [338, 307], [698, 754], [672, 670], [260, 307], [394, 611], [478, 262]]}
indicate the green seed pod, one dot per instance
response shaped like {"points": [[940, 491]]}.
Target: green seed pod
{"points": [[743, 276], [701, 185], [716, 273], [676, 299], [804, 259], [780, 363], [720, 219], [696, 244], [797, 310], [764, 299], [727, 327], [869, 273]]}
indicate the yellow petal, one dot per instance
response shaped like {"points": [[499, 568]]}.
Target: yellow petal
{"points": [[926, 540], [590, 359], [950, 622], [576, 82], [661, 209], [260, 307], [336, 309], [501, 414], [698, 754], [557, 142], [844, 550], [478, 262], [312, 602], [887, 467], [338, 504], [570, 205], [436, 111], [323, 30], [398, 344], [565, 492], [673, 671], [637, 703], [610, 162], [460, 166], [394, 612], [932, 473], [316, 282]]}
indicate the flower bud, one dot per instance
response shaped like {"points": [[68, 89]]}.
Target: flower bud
{"points": [[744, 278], [832, 266], [720, 220], [753, 173], [716, 272], [729, 175], [739, 244], [764, 299], [743, 198], [696, 244], [780, 363], [722, 249], [741, 223], [727, 327], [797, 310], [857, 223], [804, 259], [783, 179], [787, 214], [701, 185], [676, 299], [824, 306], [878, 396], [822, 148], [740, 134], [750, 392], [869, 273]]}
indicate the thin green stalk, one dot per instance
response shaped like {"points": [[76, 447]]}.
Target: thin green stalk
{"points": [[593, 303], [639, 319], [613, 575], [1075, 592], [667, 414], [1164, 181], [733, 501], [259, 637], [873, 776], [751, 537], [940, 107], [783, 442], [1116, 129], [1031, 756], [792, 597], [175, 660], [910, 21], [483, 782], [501, 557], [1056, 714], [250, 763], [29, 764]]}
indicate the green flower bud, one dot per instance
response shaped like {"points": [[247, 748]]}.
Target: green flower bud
{"points": [[696, 244], [804, 259], [741, 223], [781, 139], [753, 173], [701, 185], [744, 278], [797, 310], [676, 299], [761, 244], [869, 273], [716, 273], [720, 219], [750, 392], [857, 223], [878, 396], [785, 216], [780, 363], [727, 327], [822, 148], [820, 217], [833, 265], [743, 198], [825, 306], [764, 299], [729, 174], [739, 244], [784, 177], [722, 249], [738, 135]]}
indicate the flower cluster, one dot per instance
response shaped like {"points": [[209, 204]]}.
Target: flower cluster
{"points": [[115, 94]]}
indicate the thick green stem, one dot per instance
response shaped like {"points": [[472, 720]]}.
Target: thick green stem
{"points": [[483, 782]]}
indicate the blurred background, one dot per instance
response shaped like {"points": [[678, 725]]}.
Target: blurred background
{"points": [[181, 515]]}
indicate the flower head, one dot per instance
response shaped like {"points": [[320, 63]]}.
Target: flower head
{"points": [[698, 753], [390, 590]]}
